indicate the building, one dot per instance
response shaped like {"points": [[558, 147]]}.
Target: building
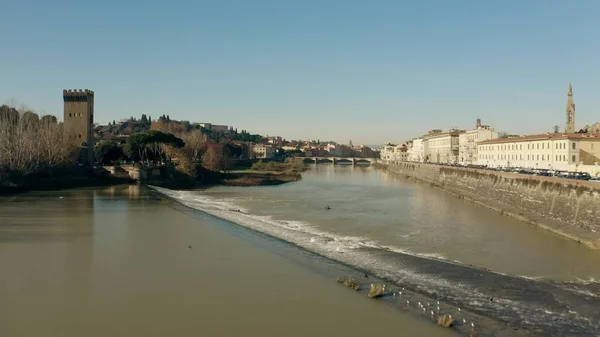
{"points": [[467, 142], [553, 151], [393, 153], [79, 121], [442, 147], [275, 141], [215, 128], [591, 129], [263, 151], [570, 112], [416, 150], [364, 152]]}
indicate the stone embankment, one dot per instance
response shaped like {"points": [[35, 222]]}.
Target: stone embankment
{"points": [[567, 207]]}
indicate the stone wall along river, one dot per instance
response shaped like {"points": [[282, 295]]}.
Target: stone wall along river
{"points": [[566, 207]]}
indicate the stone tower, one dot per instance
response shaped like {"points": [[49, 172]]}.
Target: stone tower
{"points": [[79, 121], [570, 112], [478, 123]]}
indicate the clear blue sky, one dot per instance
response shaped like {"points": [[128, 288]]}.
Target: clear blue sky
{"points": [[369, 71]]}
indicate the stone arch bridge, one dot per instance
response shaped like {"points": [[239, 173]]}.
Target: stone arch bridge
{"points": [[339, 160]]}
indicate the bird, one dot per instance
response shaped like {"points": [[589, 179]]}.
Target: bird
{"points": [[472, 325], [492, 299], [459, 309], [464, 321], [190, 247]]}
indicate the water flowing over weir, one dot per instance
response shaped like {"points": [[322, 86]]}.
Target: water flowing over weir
{"points": [[544, 307]]}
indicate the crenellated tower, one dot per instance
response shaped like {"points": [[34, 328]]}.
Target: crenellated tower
{"points": [[570, 112], [79, 121]]}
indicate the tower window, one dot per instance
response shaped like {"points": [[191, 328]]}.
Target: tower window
{"points": [[70, 114]]}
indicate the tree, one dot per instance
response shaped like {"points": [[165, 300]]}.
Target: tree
{"points": [[108, 152], [138, 145], [210, 159]]}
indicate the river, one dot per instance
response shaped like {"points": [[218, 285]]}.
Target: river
{"points": [[115, 261], [429, 242]]}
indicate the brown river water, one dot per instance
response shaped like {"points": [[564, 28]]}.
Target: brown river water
{"points": [[116, 262], [264, 262]]}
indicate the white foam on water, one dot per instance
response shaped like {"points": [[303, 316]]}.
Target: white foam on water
{"points": [[344, 249]]}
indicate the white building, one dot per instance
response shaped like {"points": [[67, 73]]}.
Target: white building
{"points": [[263, 151], [416, 151], [573, 152], [442, 147], [467, 142], [392, 153]]}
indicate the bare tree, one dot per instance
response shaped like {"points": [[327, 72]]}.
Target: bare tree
{"points": [[196, 142], [28, 143]]}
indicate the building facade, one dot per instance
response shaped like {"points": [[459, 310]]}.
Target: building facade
{"points": [[416, 151], [442, 148], [467, 142], [564, 152], [392, 153], [79, 121], [263, 151]]}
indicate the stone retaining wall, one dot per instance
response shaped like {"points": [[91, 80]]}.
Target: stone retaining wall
{"points": [[568, 207]]}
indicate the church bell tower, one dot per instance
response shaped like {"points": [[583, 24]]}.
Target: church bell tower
{"points": [[570, 112]]}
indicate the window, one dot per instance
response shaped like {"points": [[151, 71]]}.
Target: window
{"points": [[574, 145], [70, 114], [573, 158]]}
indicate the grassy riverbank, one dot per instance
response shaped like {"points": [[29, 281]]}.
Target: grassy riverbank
{"points": [[259, 174]]}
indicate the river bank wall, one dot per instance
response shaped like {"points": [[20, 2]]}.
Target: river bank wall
{"points": [[567, 207]]}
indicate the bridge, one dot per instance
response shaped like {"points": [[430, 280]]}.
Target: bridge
{"points": [[339, 160]]}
